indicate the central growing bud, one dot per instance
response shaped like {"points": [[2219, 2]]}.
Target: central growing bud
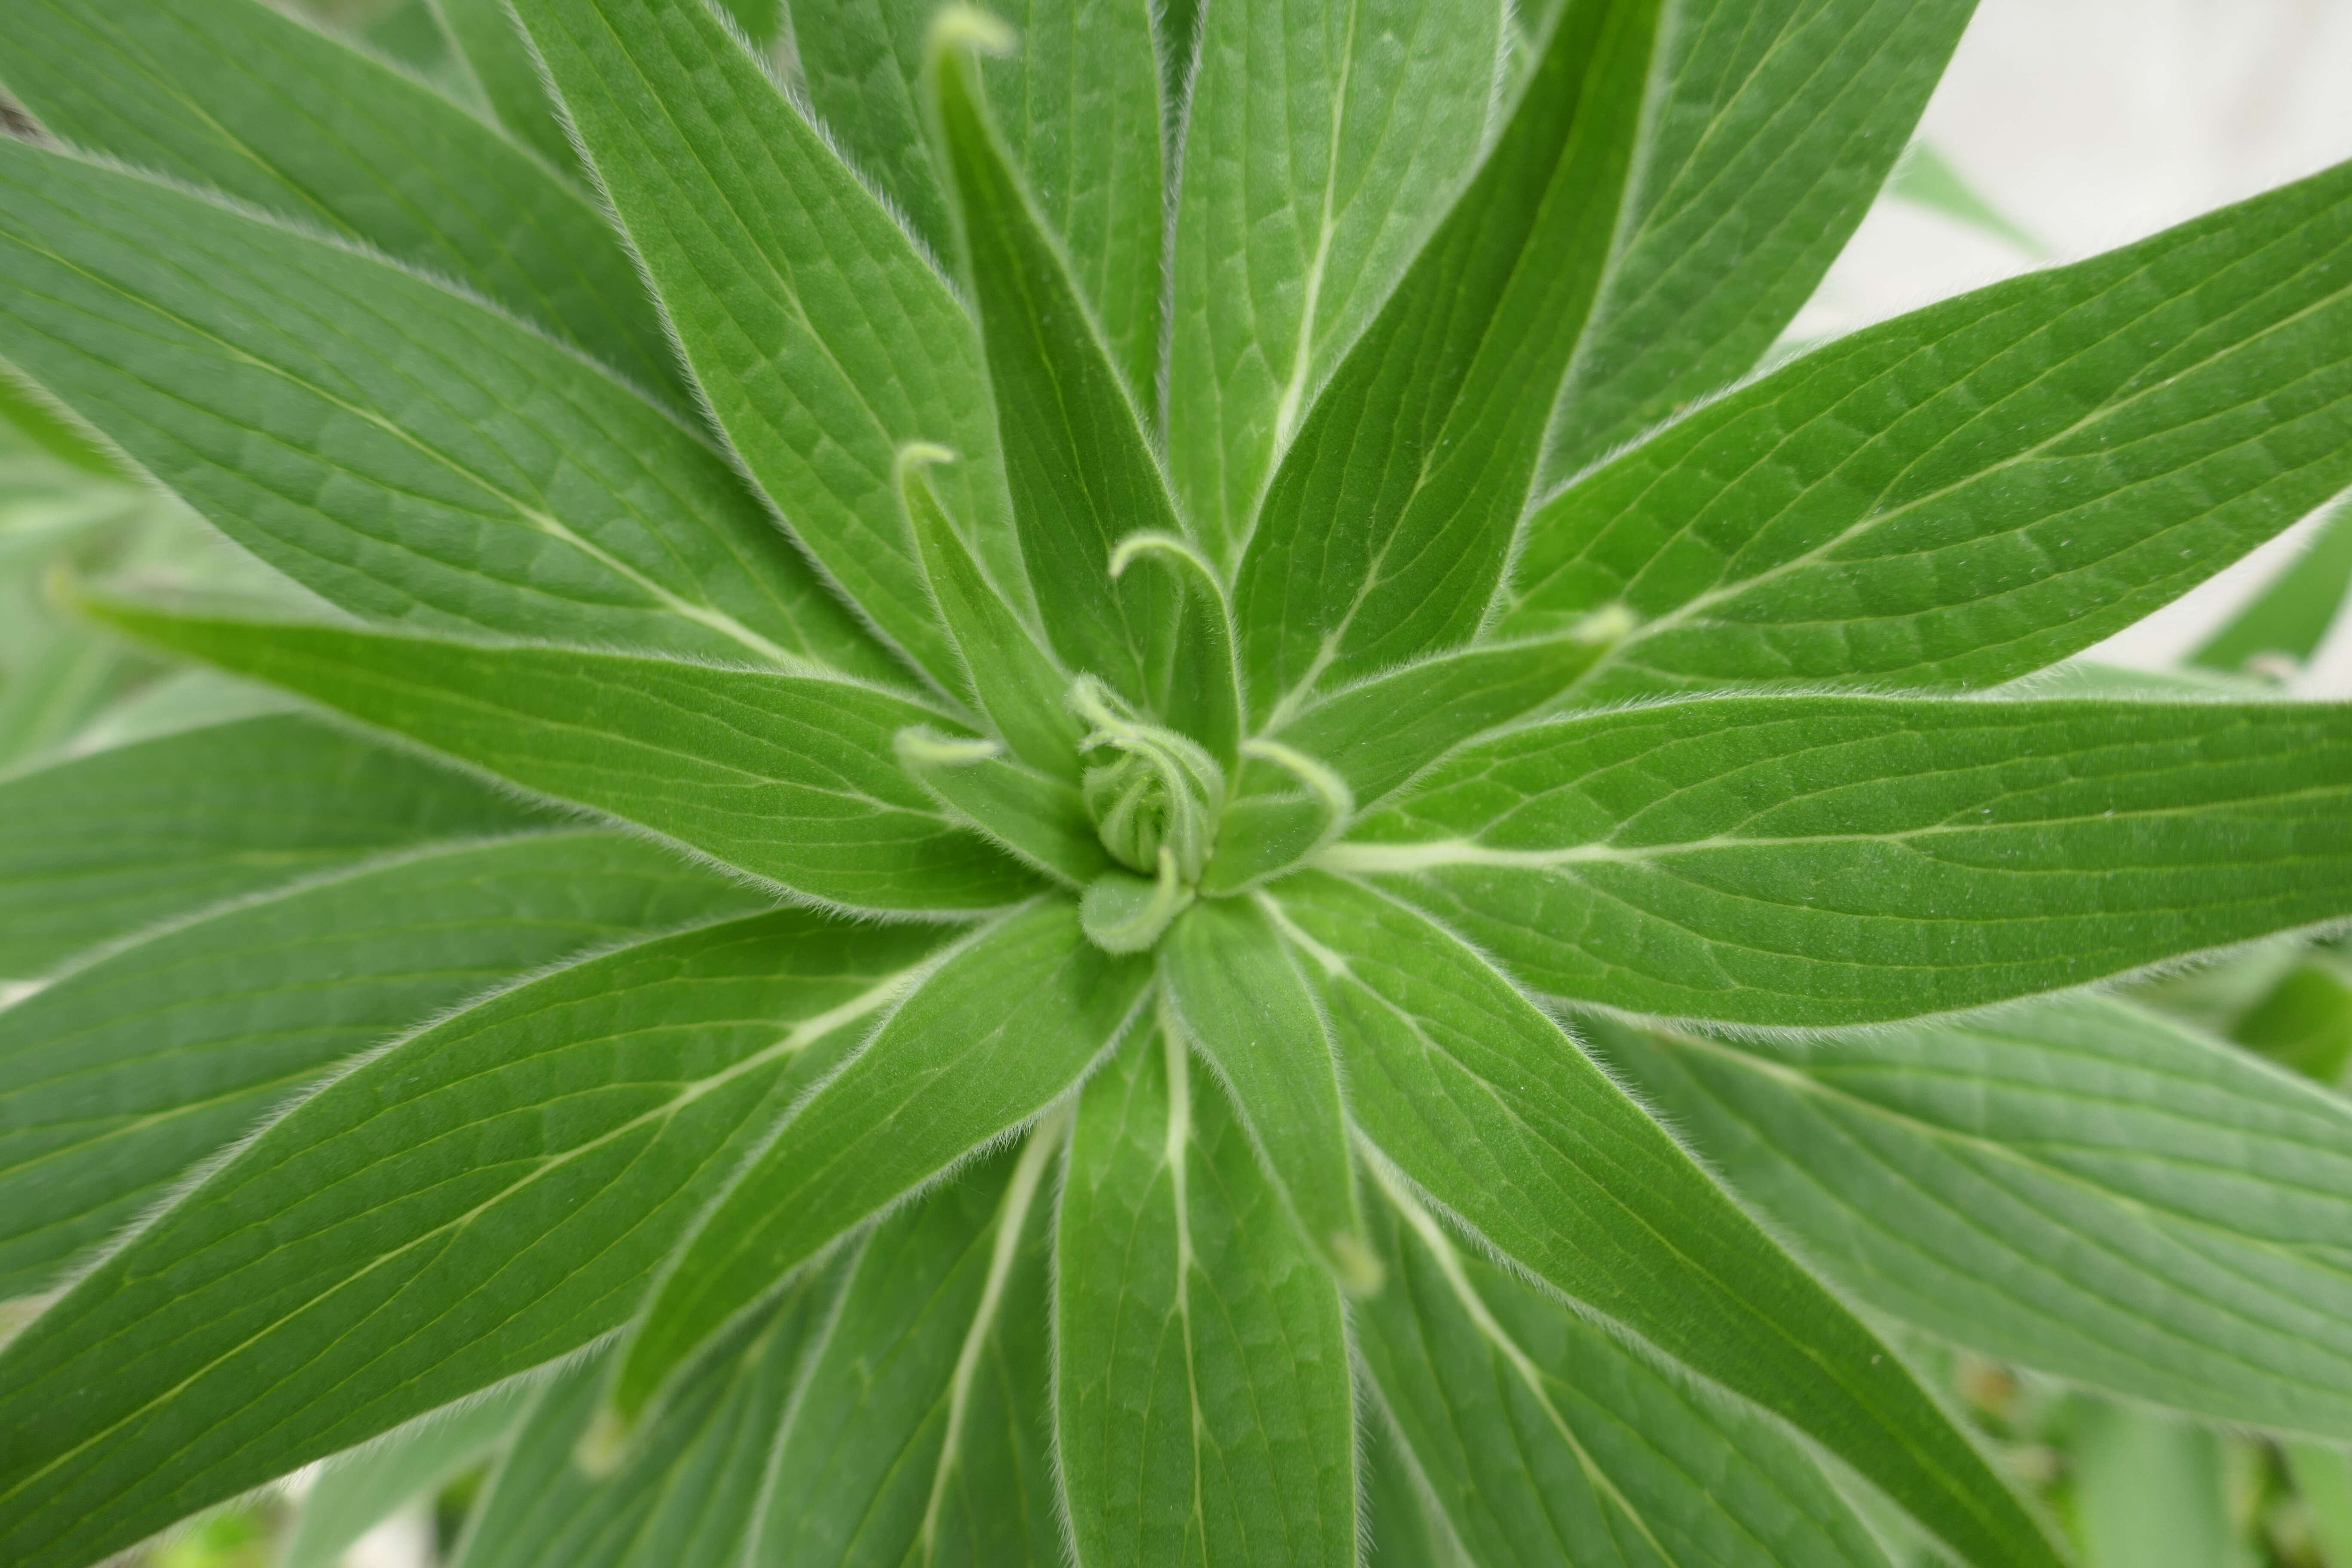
{"points": [[1156, 797]]}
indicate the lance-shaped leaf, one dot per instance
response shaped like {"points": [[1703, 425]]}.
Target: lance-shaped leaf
{"points": [[94, 848], [478, 1200], [1834, 860], [1032, 816], [1549, 1439], [2293, 615], [1322, 142], [1478, 1099], [1082, 475], [404, 451], [1979, 489], [922, 1431], [1387, 522], [688, 1494], [496, 56], [2182, 1245], [1238, 998], [241, 97], [787, 777], [127, 1072], [994, 1035], [1203, 1406], [1772, 128], [1006, 672], [354, 1492], [1403, 1525], [822, 337]]}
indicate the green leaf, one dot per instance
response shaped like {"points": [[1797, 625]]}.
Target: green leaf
{"points": [[2323, 1481], [1011, 678], [95, 849], [1081, 473], [483, 1196], [2293, 615], [1979, 489], [820, 334], [1323, 141], [1204, 1408], [687, 1495], [129, 1070], [1035, 818], [1548, 1439], [1773, 128], [2149, 1491], [1403, 1526], [1480, 1102], [355, 1491], [2082, 1186], [237, 96], [1834, 860], [786, 777], [1002, 1028], [1386, 524], [497, 58], [403, 451], [922, 1431], [1238, 998], [1924, 178]]}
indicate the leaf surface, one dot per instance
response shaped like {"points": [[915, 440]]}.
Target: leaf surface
{"points": [[126, 1072], [786, 777], [1548, 1439], [1203, 1407], [2293, 614], [486, 1195], [1237, 997], [989, 1041], [1771, 130], [96, 847], [2082, 1186], [1478, 1099], [403, 451], [1976, 490], [1386, 525], [240, 97], [1322, 143], [1081, 475], [1834, 860], [920, 1433], [496, 57], [821, 335], [354, 1492]]}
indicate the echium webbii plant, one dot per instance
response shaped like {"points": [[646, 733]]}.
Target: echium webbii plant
{"points": [[1039, 777]]}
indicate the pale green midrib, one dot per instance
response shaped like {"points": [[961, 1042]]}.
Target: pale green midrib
{"points": [[800, 1036], [1285, 410], [533, 517], [1174, 1154]]}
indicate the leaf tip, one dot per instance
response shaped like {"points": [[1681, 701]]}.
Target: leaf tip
{"points": [[967, 28], [1358, 1268]]}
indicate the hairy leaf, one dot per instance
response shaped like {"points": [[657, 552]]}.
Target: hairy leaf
{"points": [[1203, 1406], [1824, 860], [2083, 1187], [1475, 1097], [355, 1491], [240, 97], [1980, 487], [129, 1070], [485, 1196], [990, 1038], [785, 777]]}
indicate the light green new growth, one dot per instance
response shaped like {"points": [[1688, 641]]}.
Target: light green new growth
{"points": [[1036, 750]]}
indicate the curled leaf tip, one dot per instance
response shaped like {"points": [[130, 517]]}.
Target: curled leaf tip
{"points": [[1153, 541], [1121, 913], [1609, 623], [1354, 1263], [599, 1451], [913, 457], [920, 746], [969, 27]]}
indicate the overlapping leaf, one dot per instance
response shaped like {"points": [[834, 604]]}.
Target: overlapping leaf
{"points": [[2081, 1187], [483, 1197]]}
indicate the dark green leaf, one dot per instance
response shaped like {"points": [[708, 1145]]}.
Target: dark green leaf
{"points": [[1203, 1404], [786, 777], [989, 1039], [1482, 1102], [2293, 615], [1828, 860], [95, 849], [240, 96], [1387, 522], [2081, 1187], [355, 1491], [130, 1071], [481, 1198], [822, 337], [1979, 489]]}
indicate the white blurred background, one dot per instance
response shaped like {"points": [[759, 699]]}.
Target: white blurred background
{"points": [[2089, 123]]}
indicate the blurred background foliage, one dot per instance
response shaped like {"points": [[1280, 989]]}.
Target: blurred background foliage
{"points": [[1976, 198]]}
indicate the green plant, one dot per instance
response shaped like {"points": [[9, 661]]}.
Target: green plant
{"points": [[948, 897]]}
